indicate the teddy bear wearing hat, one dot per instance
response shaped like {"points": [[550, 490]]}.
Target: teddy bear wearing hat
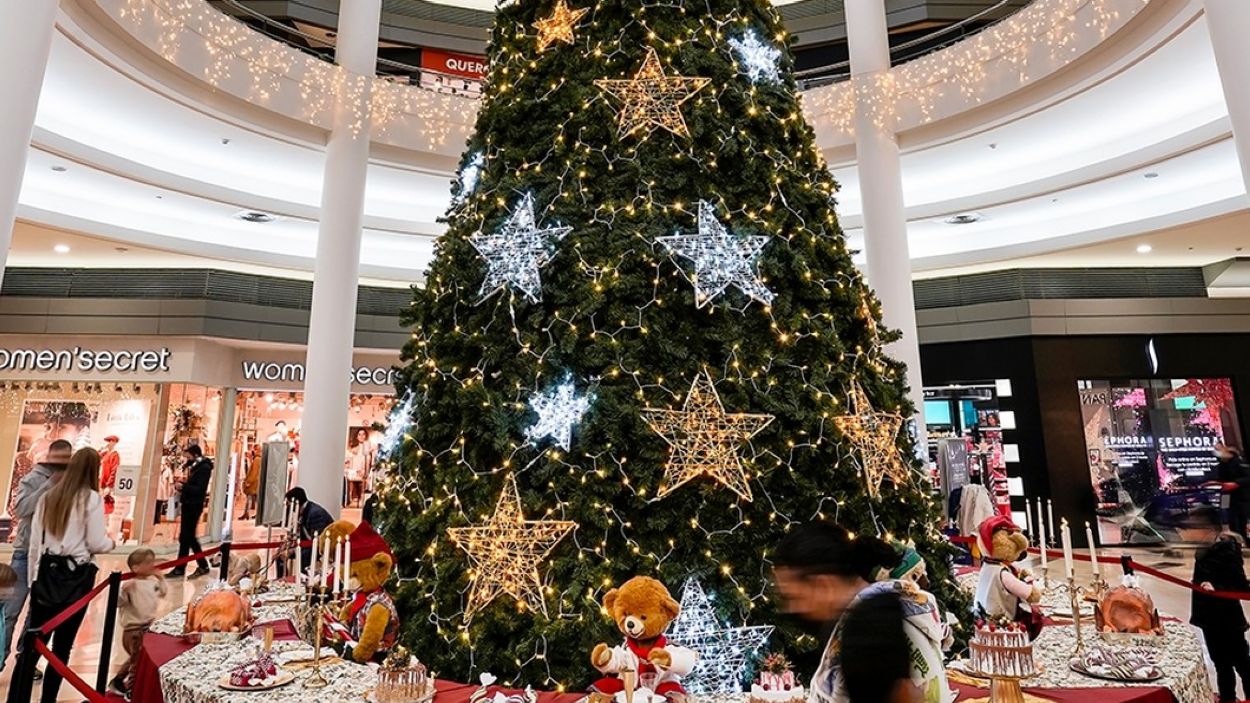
{"points": [[1003, 589]]}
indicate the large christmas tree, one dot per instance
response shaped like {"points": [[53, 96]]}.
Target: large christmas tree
{"points": [[642, 347]]}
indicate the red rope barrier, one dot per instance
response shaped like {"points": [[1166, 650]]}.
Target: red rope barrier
{"points": [[68, 674], [76, 606]]}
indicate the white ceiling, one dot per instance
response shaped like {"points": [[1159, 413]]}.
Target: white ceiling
{"points": [[150, 169]]}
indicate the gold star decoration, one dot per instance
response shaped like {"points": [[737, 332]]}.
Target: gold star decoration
{"points": [[651, 99], [506, 551], [873, 435], [704, 439], [559, 26]]}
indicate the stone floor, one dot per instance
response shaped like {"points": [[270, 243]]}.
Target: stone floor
{"points": [[1170, 599]]}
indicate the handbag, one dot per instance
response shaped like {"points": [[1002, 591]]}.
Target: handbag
{"points": [[61, 580]]}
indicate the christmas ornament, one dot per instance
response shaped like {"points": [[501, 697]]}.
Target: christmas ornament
{"points": [[558, 27], [514, 255], [760, 60], [725, 653], [558, 410], [506, 551], [873, 434], [469, 176], [397, 425], [720, 259], [704, 439], [651, 99]]}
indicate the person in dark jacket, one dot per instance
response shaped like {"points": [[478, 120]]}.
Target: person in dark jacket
{"points": [[313, 519], [1219, 567], [193, 494], [1235, 475]]}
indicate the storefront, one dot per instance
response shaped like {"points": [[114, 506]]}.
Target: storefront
{"points": [[139, 401]]}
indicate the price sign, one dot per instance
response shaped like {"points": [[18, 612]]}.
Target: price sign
{"points": [[127, 482]]}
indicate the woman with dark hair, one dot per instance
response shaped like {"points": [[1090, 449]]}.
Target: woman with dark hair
{"points": [[883, 637], [66, 532]]}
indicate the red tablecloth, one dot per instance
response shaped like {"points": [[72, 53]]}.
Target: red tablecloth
{"points": [[1126, 694]]}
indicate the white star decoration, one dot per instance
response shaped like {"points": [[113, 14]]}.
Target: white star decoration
{"points": [[720, 259], [514, 255], [725, 653], [397, 425], [760, 59], [558, 411]]}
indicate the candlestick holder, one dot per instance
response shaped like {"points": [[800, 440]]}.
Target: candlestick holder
{"points": [[1075, 595]]}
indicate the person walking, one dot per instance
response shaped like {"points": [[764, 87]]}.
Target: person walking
{"points": [[251, 482], [33, 485], [193, 495], [66, 532], [1232, 472], [137, 607], [1219, 567], [883, 640]]}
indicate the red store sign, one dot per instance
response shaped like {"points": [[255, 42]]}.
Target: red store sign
{"points": [[465, 65]]}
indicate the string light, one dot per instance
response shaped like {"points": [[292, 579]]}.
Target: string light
{"points": [[558, 411], [558, 26], [761, 60], [514, 254], [652, 100], [725, 653], [397, 425], [874, 436], [506, 552], [720, 260], [469, 176], [704, 439]]}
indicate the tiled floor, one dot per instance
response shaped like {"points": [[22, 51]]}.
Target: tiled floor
{"points": [[1170, 599]]}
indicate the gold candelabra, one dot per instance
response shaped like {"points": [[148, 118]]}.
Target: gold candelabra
{"points": [[1075, 595], [320, 599]]}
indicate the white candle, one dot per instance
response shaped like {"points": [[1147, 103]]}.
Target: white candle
{"points": [[347, 562], [1028, 518], [1050, 518], [312, 566], [338, 565], [1041, 534], [325, 563], [1095, 568], [1066, 535]]}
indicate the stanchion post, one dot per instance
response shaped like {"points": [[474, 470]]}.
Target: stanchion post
{"points": [[225, 561], [21, 688], [106, 639], [1126, 563]]}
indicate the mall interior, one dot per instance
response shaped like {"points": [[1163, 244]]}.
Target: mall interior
{"points": [[216, 215]]}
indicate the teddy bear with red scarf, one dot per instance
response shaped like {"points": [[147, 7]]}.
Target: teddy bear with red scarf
{"points": [[370, 617], [642, 609]]}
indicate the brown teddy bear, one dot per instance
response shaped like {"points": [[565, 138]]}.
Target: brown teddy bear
{"points": [[1003, 588], [642, 609], [370, 617]]}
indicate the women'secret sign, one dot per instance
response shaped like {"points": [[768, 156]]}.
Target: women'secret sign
{"points": [[85, 360], [294, 372]]}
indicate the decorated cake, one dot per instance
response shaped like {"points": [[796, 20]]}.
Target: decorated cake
{"points": [[402, 679], [776, 682], [1002, 649], [261, 672], [1127, 609]]}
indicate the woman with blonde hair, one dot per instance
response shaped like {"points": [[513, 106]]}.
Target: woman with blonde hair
{"points": [[67, 530]]}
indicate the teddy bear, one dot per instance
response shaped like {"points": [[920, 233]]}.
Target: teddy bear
{"points": [[1003, 588], [369, 618], [642, 610]]}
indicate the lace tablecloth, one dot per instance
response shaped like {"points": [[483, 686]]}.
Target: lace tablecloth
{"points": [[192, 677]]}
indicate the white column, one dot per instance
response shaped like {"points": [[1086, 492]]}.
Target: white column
{"points": [[332, 325], [26, 35], [1228, 22], [881, 190]]}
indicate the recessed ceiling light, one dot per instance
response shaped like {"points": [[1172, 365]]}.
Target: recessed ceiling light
{"points": [[225, 141], [61, 249], [963, 218], [255, 216], [121, 250], [1150, 174], [1144, 248], [59, 169]]}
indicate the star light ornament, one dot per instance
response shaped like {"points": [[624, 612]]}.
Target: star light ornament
{"points": [[558, 411], [469, 176], [651, 100], [514, 254], [725, 653], [704, 439], [873, 434], [505, 553], [761, 61], [558, 27], [397, 425], [720, 259]]}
